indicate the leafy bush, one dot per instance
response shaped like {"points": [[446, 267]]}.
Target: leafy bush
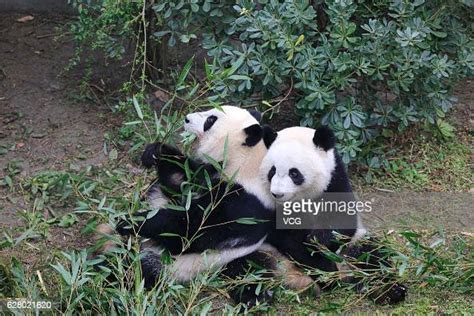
{"points": [[104, 25], [368, 69], [365, 69]]}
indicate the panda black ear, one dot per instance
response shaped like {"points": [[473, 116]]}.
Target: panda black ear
{"points": [[149, 156], [256, 114], [269, 135], [254, 135], [324, 138]]}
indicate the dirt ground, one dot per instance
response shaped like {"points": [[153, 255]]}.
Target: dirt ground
{"points": [[463, 115], [45, 124]]}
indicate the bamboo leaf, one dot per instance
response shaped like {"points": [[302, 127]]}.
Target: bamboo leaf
{"points": [[137, 108]]}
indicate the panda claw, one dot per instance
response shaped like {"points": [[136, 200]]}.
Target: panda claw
{"points": [[150, 155], [249, 299], [265, 297]]}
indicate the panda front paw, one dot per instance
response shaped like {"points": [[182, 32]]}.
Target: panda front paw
{"points": [[151, 154], [168, 150], [154, 152], [393, 294]]}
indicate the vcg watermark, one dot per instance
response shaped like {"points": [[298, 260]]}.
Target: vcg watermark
{"points": [[332, 211], [379, 210]]}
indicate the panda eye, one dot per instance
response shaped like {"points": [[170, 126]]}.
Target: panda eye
{"points": [[209, 122], [296, 176], [271, 173]]}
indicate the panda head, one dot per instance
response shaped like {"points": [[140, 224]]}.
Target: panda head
{"points": [[299, 162], [238, 127]]}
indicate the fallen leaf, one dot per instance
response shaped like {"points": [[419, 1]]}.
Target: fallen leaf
{"points": [[74, 167], [113, 154], [25, 19], [8, 181], [20, 145], [162, 96]]}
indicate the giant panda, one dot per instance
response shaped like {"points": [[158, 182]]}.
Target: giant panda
{"points": [[228, 134], [302, 163]]}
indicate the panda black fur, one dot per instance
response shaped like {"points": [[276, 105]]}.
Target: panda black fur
{"points": [[302, 163], [233, 243], [221, 229]]}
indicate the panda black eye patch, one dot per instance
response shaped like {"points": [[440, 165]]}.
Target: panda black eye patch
{"points": [[209, 122], [296, 176], [271, 173]]}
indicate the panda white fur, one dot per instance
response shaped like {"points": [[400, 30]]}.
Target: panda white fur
{"points": [[302, 163], [239, 131]]}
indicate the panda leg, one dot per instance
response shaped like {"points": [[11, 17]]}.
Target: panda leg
{"points": [[292, 276], [370, 256], [150, 260], [238, 268], [151, 264]]}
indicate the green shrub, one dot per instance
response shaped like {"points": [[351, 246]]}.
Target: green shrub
{"points": [[368, 69], [104, 25]]}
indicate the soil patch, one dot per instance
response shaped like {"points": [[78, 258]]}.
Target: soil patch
{"points": [[45, 123]]}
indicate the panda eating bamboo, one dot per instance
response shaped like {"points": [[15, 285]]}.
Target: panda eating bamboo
{"points": [[223, 232], [299, 163]]}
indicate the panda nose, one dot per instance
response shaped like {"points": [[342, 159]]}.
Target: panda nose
{"points": [[277, 196], [186, 120]]}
